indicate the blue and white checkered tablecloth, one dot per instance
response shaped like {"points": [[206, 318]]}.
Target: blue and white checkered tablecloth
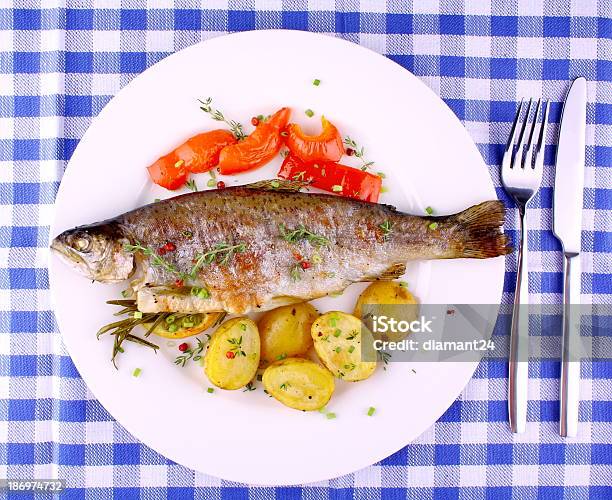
{"points": [[61, 61]]}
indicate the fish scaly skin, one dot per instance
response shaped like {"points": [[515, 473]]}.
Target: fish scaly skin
{"points": [[260, 278]]}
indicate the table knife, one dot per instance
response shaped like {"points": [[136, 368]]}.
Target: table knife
{"points": [[567, 224]]}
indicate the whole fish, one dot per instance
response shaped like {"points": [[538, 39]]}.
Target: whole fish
{"points": [[257, 247]]}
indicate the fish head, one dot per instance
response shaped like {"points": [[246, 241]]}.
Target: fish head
{"points": [[97, 252]]}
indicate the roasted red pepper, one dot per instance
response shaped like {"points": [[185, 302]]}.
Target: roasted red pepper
{"points": [[327, 146], [258, 148], [333, 177], [198, 154]]}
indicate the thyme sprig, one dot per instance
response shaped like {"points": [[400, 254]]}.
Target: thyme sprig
{"points": [[220, 252], [386, 228], [191, 184], [301, 233], [237, 346], [358, 152], [194, 353], [215, 114], [156, 260]]}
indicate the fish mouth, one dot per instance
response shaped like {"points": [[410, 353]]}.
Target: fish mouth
{"points": [[71, 257]]}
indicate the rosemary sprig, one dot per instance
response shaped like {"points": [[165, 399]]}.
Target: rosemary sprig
{"points": [[156, 260], [284, 386], [301, 233], [194, 353], [386, 228], [358, 152], [384, 357], [220, 252], [249, 387], [215, 114], [121, 330]]}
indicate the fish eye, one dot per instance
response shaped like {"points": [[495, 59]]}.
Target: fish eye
{"points": [[82, 243]]}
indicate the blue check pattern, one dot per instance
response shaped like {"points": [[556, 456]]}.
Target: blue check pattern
{"points": [[61, 61]]}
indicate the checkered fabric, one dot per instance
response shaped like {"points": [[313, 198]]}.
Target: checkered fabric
{"points": [[61, 61]]}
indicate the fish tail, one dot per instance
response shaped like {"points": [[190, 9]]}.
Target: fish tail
{"points": [[478, 233]]}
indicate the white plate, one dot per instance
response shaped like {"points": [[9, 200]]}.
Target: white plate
{"points": [[415, 139]]}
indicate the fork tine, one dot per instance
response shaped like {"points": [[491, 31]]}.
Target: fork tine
{"points": [[528, 156], [514, 129], [538, 162], [522, 136]]}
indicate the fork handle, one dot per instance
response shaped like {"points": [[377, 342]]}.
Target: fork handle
{"points": [[519, 338], [569, 397]]}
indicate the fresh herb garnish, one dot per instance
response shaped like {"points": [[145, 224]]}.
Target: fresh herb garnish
{"points": [[210, 390], [428, 210], [309, 113], [237, 346], [194, 353], [156, 260], [249, 387], [353, 335], [216, 115], [433, 226], [358, 152], [386, 228], [136, 372], [191, 184], [285, 386], [384, 357], [220, 253], [301, 233], [316, 82], [371, 411], [296, 272], [299, 176], [280, 357]]}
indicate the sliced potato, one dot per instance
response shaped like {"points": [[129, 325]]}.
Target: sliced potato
{"points": [[179, 326], [285, 332], [232, 357], [389, 295], [299, 383], [338, 342]]}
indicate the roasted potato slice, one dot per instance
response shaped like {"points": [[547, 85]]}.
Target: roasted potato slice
{"points": [[232, 357], [180, 326], [389, 295], [285, 332], [338, 342], [299, 383]]}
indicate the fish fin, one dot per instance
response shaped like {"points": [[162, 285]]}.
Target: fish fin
{"points": [[478, 234], [390, 274], [277, 185]]}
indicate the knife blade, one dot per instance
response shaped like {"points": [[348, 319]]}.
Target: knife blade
{"points": [[567, 227]]}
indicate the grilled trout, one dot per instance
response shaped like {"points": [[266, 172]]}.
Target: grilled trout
{"points": [[254, 248]]}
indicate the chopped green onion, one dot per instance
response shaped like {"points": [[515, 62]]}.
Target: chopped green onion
{"points": [[316, 258], [384, 189], [351, 348], [137, 315], [381, 175], [210, 390], [120, 349], [337, 332], [337, 188], [243, 327], [433, 226], [203, 294], [371, 411], [172, 328], [136, 372], [156, 200], [281, 356], [429, 210], [188, 324], [171, 343], [338, 349], [323, 410], [309, 113], [403, 284], [336, 294], [316, 82], [211, 183], [275, 184], [330, 416], [125, 293], [170, 319]]}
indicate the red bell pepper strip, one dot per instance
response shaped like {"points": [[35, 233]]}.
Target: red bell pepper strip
{"points": [[327, 146], [333, 177]]}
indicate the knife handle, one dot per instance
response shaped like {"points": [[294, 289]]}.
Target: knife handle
{"points": [[518, 367], [569, 398]]}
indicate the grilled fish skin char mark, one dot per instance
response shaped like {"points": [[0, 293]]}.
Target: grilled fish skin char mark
{"points": [[285, 247]]}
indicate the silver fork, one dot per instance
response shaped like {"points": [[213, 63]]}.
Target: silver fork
{"points": [[521, 176]]}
